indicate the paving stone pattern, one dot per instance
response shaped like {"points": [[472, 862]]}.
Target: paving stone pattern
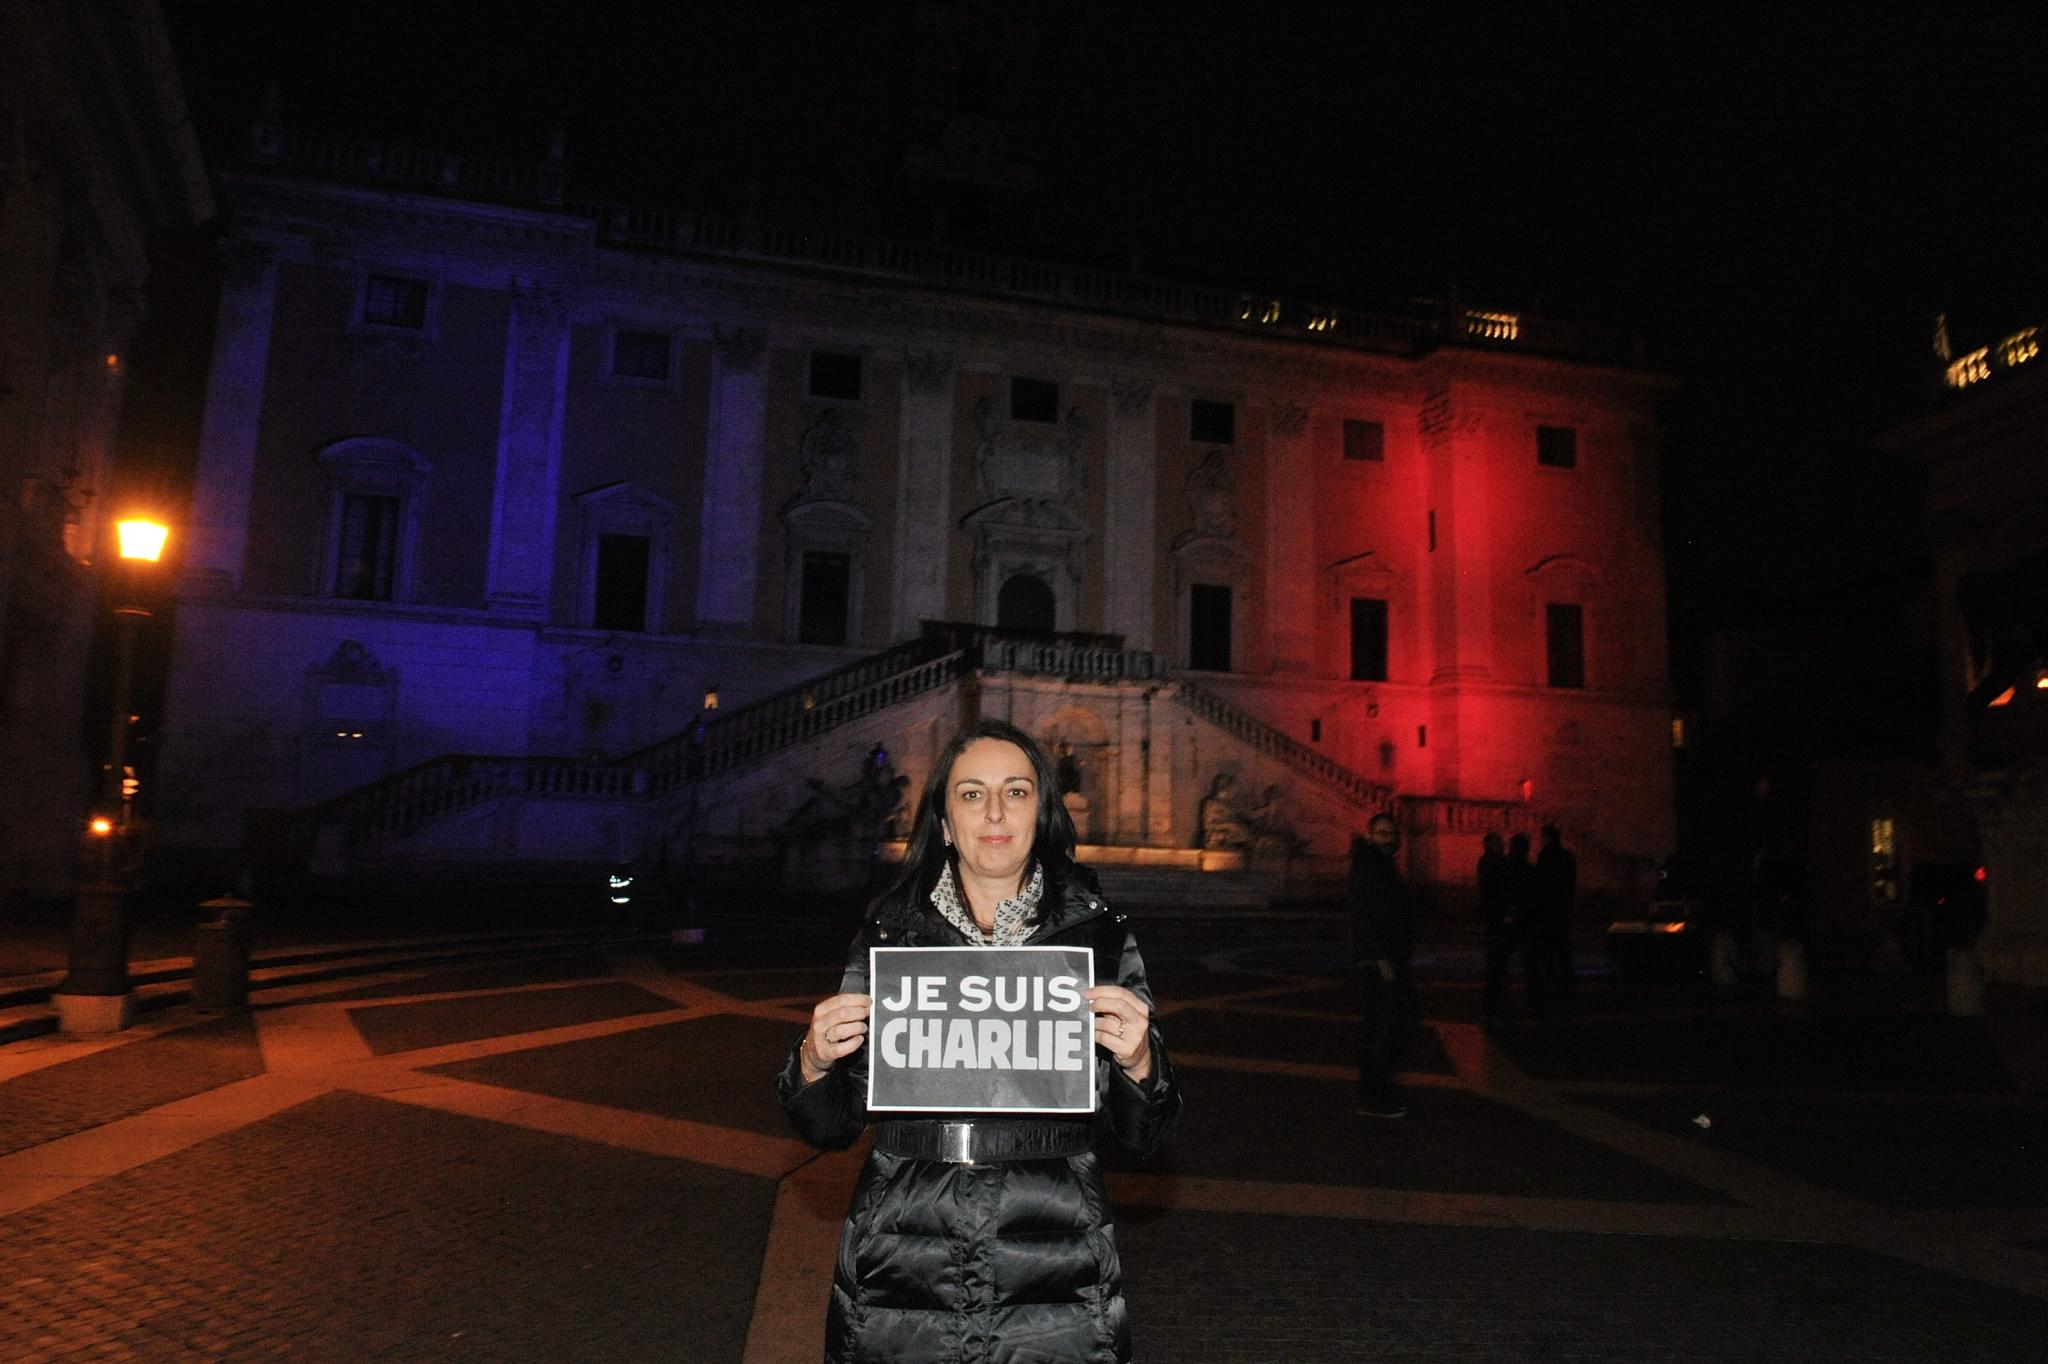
{"points": [[1276, 1127], [390, 1028], [1908, 1155], [718, 1070], [503, 975], [60, 1100], [1254, 1289], [351, 1228]]}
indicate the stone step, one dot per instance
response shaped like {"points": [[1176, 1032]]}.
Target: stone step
{"points": [[1187, 890]]}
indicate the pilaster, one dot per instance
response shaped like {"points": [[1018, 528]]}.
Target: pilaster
{"points": [[735, 456], [218, 535], [1290, 546], [1130, 512], [529, 451], [1461, 568], [923, 465]]}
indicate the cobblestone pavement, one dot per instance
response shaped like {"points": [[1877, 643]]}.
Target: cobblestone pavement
{"points": [[582, 1161]]}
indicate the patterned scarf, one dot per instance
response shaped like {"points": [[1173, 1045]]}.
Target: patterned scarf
{"points": [[1014, 916]]}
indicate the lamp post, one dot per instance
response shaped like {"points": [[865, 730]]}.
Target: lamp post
{"points": [[95, 996]]}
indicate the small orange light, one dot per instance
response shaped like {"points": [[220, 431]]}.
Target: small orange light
{"points": [[2041, 681], [2003, 698], [140, 539], [113, 361], [101, 826], [1978, 875]]}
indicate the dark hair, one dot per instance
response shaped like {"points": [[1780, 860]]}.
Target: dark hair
{"points": [[1052, 838]]}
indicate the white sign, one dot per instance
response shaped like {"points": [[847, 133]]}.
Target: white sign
{"points": [[981, 1030]]}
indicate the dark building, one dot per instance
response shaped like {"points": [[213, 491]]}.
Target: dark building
{"points": [[1984, 448], [96, 153]]}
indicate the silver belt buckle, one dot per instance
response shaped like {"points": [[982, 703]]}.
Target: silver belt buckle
{"points": [[956, 1142]]}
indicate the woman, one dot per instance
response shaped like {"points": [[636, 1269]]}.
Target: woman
{"points": [[1007, 1255]]}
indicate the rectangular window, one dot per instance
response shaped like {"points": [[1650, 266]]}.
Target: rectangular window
{"points": [[641, 355], [1368, 640], [1212, 422], [826, 594], [620, 602], [1565, 633], [1557, 446], [390, 301], [835, 376], [366, 559], [1034, 400], [1209, 627], [1364, 440]]}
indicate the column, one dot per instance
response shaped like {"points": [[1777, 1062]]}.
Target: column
{"points": [[735, 456], [1130, 511], [529, 451], [1290, 540], [217, 537], [924, 507]]}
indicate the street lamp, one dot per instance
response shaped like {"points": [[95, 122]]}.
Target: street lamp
{"points": [[95, 995], [141, 541]]}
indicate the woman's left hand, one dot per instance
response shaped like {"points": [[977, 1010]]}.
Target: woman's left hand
{"points": [[1123, 1028]]}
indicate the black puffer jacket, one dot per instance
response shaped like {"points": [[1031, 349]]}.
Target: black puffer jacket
{"points": [[1009, 1263]]}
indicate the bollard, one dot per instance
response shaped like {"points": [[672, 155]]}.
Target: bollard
{"points": [[1965, 983], [220, 955], [1791, 969]]}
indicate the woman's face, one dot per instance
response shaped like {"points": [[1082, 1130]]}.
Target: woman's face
{"points": [[992, 810]]}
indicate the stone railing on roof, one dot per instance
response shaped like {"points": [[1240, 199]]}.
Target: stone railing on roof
{"points": [[540, 184]]}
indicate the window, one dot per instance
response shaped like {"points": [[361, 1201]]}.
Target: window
{"points": [[624, 538], [1209, 627], [1368, 640], [1364, 440], [373, 510], [641, 355], [1034, 400], [835, 376], [1025, 602], [1212, 422], [389, 301], [1557, 446], [366, 557], [825, 595], [619, 598], [1565, 633]]}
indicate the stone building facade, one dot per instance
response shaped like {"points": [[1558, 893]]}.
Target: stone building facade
{"points": [[489, 474], [96, 151], [1987, 499]]}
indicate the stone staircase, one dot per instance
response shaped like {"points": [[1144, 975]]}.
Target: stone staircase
{"points": [[650, 796]]}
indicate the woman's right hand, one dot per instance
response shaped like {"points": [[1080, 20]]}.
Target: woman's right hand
{"points": [[838, 1027]]}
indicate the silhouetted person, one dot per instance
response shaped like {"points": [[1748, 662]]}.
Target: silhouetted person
{"points": [[1383, 926], [1557, 888], [1506, 885]]}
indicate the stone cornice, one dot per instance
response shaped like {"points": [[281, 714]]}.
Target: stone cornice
{"points": [[806, 303]]}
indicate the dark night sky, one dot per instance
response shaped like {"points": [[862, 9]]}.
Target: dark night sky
{"points": [[1779, 200]]}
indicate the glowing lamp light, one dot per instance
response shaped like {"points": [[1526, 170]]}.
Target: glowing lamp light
{"points": [[101, 826], [711, 698], [1978, 875], [2003, 698], [2041, 680], [142, 539]]}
